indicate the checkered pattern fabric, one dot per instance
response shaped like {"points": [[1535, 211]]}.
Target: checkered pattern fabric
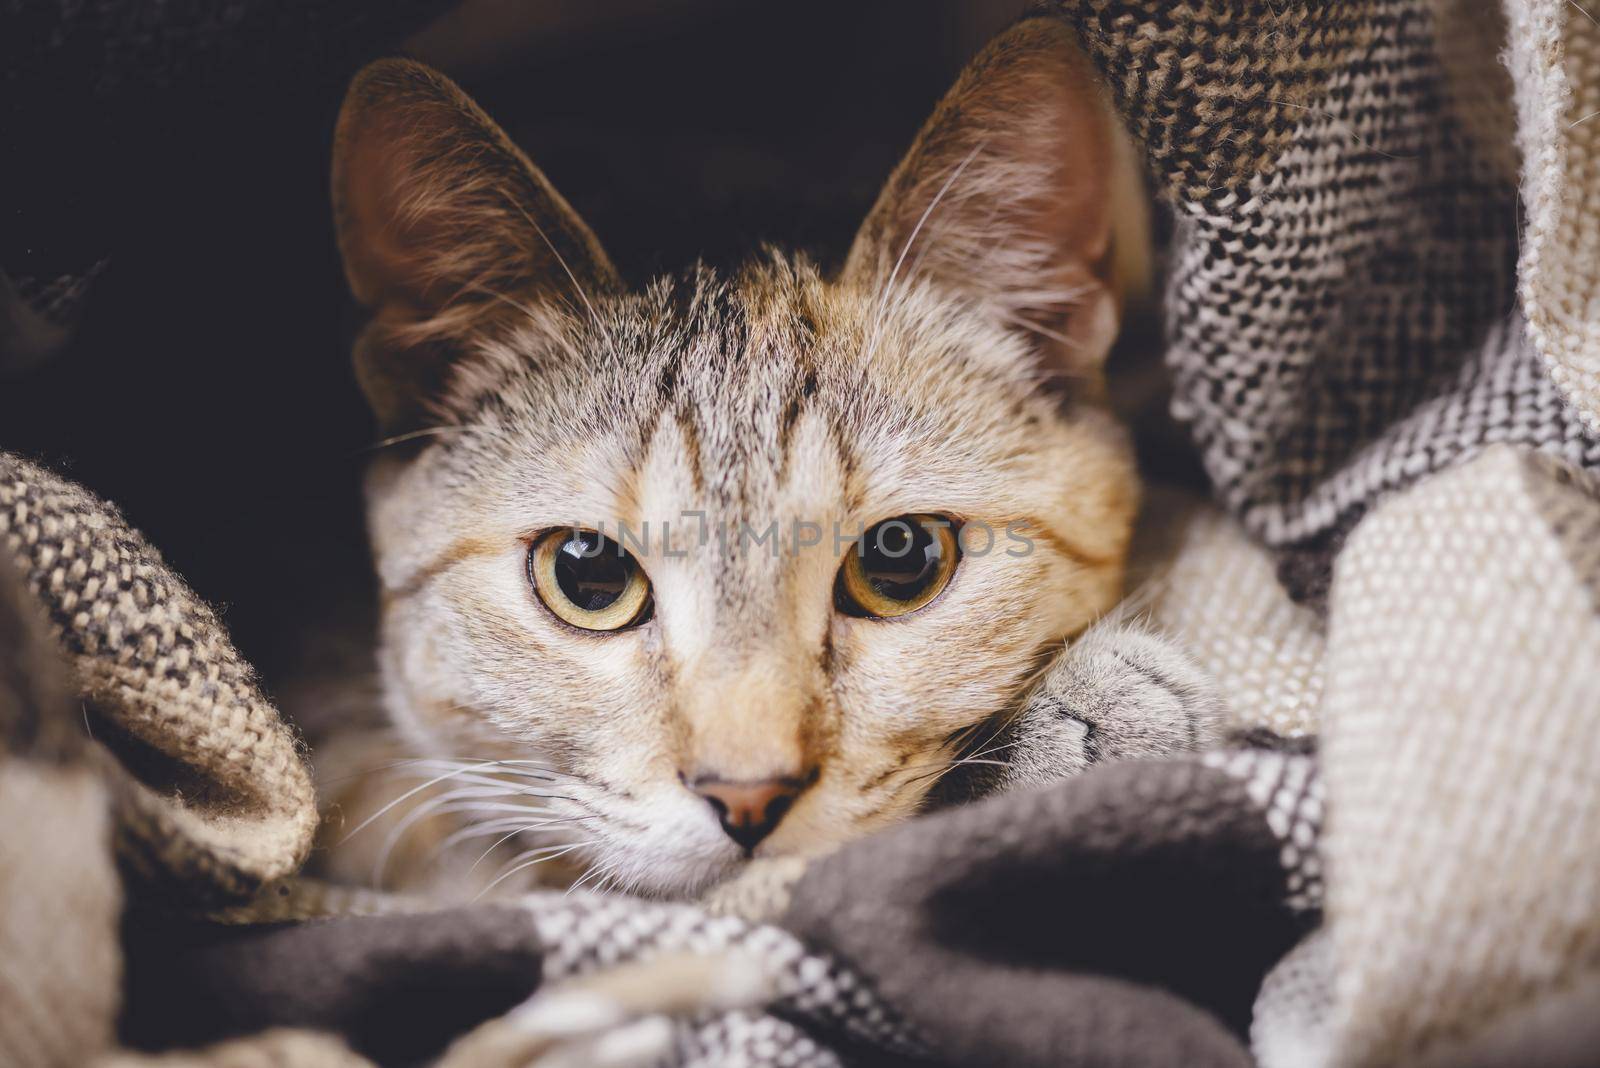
{"points": [[1288, 790], [586, 933]]}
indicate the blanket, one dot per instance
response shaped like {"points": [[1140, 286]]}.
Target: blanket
{"points": [[1381, 337]]}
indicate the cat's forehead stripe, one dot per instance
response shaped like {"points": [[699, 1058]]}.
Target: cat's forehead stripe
{"points": [[740, 365]]}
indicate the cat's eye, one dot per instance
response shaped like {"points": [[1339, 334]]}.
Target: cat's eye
{"points": [[898, 566], [588, 580]]}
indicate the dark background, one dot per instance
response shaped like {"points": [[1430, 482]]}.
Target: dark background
{"points": [[207, 386]]}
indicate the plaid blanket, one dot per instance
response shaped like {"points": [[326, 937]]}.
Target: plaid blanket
{"points": [[1381, 337]]}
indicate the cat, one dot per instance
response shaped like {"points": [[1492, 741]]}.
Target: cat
{"points": [[745, 566]]}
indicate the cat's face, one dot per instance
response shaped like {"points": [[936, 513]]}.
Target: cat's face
{"points": [[732, 674]]}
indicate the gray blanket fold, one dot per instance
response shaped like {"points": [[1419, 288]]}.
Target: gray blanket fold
{"points": [[398, 988], [1124, 917]]}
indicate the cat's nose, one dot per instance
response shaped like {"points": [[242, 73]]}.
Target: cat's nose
{"points": [[749, 810]]}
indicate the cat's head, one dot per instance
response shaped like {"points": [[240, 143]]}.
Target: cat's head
{"points": [[742, 676]]}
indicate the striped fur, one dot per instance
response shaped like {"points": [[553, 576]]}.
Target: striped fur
{"points": [[772, 395]]}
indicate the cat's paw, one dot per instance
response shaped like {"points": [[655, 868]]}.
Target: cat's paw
{"points": [[1120, 691]]}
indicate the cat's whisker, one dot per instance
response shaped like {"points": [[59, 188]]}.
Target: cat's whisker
{"points": [[423, 811], [510, 786], [610, 878], [940, 773], [498, 842], [525, 829], [894, 272], [427, 432], [507, 761], [418, 813], [414, 791], [608, 881], [506, 828], [959, 741], [594, 316], [1016, 711], [509, 777], [592, 873], [363, 773], [561, 850], [487, 806], [945, 765], [989, 750], [463, 799], [535, 771], [504, 762], [474, 796], [922, 767], [484, 828]]}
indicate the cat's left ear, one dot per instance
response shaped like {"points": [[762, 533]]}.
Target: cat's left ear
{"points": [[1006, 198], [447, 230]]}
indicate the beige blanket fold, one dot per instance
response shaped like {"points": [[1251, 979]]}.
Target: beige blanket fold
{"points": [[217, 799], [59, 894]]}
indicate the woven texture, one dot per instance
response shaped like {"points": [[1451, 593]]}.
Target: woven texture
{"points": [[229, 803], [1554, 51], [1341, 311], [59, 965], [1460, 744], [1213, 588]]}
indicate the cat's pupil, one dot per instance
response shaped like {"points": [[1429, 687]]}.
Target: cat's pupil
{"points": [[900, 557], [592, 570]]}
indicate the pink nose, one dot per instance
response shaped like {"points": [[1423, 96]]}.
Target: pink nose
{"points": [[749, 810]]}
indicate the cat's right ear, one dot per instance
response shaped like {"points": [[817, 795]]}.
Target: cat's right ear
{"points": [[446, 229]]}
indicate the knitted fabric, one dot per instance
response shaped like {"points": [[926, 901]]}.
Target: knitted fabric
{"points": [[1210, 586], [1554, 52], [1460, 751], [1342, 311], [228, 803], [58, 954], [1345, 323]]}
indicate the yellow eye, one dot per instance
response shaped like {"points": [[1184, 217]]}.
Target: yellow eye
{"points": [[898, 566], [588, 580]]}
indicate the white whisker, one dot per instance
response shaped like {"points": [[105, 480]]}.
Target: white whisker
{"points": [[499, 824], [894, 272], [461, 800], [562, 850], [426, 432], [594, 316], [403, 797]]}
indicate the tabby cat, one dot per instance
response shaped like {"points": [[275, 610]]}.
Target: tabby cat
{"points": [[740, 566]]}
